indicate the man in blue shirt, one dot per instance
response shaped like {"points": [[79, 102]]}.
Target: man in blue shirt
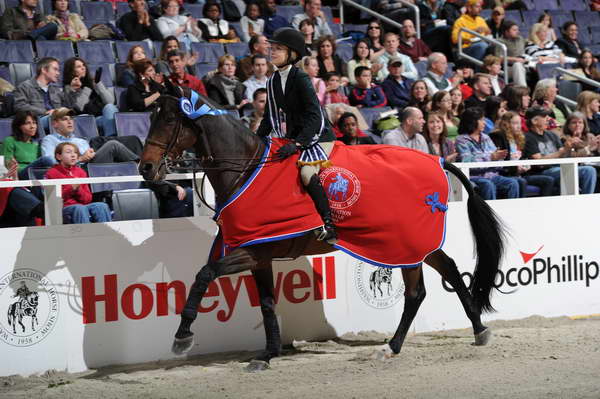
{"points": [[396, 87], [272, 20]]}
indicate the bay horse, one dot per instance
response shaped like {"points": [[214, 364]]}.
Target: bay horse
{"points": [[227, 152]]}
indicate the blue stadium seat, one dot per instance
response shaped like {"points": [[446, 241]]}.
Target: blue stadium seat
{"points": [[336, 30], [96, 52], [547, 71], [530, 4], [587, 18], [595, 34], [546, 5], [37, 174], [73, 7], [485, 14], [5, 73], [194, 9], [559, 17], [208, 52], [372, 114], [530, 17], [107, 73], [344, 51], [122, 9], [60, 49], [203, 69], [133, 124], [123, 47], [97, 10], [16, 51], [595, 49], [135, 205], [356, 28], [513, 15], [288, 12], [85, 126], [584, 35], [421, 68], [237, 27], [113, 169], [5, 128], [20, 72], [238, 50], [120, 96], [574, 5], [328, 14]]}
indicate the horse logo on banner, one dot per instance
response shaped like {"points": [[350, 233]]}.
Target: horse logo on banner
{"points": [[338, 188]]}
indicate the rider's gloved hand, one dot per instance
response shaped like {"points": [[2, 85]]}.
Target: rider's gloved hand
{"points": [[287, 150]]}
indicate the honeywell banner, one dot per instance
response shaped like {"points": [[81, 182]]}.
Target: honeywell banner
{"points": [[82, 296]]}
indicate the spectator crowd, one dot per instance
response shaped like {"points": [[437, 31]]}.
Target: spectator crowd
{"points": [[379, 83]]}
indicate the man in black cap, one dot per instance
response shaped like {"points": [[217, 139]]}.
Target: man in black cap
{"points": [[291, 98], [395, 86], [543, 144]]}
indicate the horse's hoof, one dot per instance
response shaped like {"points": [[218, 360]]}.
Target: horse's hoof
{"points": [[181, 346], [257, 365], [384, 353], [483, 337]]}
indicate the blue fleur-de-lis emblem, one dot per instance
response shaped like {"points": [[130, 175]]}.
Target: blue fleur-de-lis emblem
{"points": [[433, 200]]}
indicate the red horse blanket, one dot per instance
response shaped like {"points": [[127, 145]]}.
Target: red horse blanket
{"points": [[389, 204]]}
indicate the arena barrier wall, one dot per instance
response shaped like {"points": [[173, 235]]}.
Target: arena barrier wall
{"points": [[109, 293]]}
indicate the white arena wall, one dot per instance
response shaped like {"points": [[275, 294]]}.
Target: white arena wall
{"points": [[108, 292]]}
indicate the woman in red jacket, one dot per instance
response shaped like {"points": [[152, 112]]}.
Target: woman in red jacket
{"points": [[77, 198]]}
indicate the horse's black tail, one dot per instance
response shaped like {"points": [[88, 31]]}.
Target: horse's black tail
{"points": [[488, 234]]}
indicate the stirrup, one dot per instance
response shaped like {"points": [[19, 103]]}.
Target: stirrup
{"points": [[324, 234]]}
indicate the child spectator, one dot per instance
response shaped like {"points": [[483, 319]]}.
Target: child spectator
{"points": [[251, 22], [365, 93], [77, 198], [457, 102], [333, 93]]}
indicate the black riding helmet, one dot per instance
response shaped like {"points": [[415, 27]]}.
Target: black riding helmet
{"points": [[292, 39]]}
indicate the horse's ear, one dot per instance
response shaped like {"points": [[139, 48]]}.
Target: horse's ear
{"points": [[171, 88]]}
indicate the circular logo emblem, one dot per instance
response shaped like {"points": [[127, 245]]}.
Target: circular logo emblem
{"points": [[342, 187], [28, 307], [378, 287]]}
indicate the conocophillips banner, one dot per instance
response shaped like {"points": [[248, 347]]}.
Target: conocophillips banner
{"points": [[82, 296]]}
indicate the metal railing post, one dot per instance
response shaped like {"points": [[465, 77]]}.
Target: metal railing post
{"points": [[579, 77], [487, 39]]}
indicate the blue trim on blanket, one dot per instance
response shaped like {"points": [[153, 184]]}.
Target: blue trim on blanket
{"points": [[247, 183], [278, 238]]}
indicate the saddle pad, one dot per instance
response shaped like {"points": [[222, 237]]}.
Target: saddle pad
{"points": [[389, 204]]}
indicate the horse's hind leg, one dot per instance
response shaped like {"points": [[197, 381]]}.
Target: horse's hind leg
{"points": [[238, 261], [264, 282], [446, 267], [414, 295]]}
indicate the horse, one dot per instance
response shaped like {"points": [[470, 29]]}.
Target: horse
{"points": [[378, 277], [227, 152], [24, 307]]}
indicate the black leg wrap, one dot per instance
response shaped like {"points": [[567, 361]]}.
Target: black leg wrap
{"points": [[317, 193], [206, 275]]}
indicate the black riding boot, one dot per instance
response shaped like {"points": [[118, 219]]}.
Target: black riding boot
{"points": [[317, 193]]}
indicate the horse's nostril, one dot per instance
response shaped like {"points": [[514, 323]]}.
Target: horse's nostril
{"points": [[147, 167]]}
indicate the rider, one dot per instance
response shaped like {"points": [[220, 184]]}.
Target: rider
{"points": [[22, 292], [293, 103]]}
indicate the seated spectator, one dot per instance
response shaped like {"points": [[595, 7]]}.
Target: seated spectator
{"points": [[546, 20], [70, 26], [328, 60], [435, 31], [335, 111], [584, 143], [588, 103], [436, 136], [224, 88], [482, 88], [40, 94], [365, 93], [437, 65], [308, 31], [587, 67], [312, 11], [127, 78], [179, 77], [22, 146], [451, 11], [272, 20], [172, 44], [495, 21], [539, 49], [543, 144], [569, 43], [475, 146], [515, 52], [441, 103], [395, 86], [258, 45], [310, 65], [138, 24], [394, 9], [259, 102], [492, 66], [90, 96], [509, 136], [472, 45], [361, 57], [351, 134], [408, 134], [174, 201], [259, 76], [25, 22], [333, 91], [495, 107], [64, 126], [215, 29], [172, 23], [141, 96], [410, 45], [252, 24], [374, 39], [457, 103], [77, 198], [544, 95], [419, 97], [18, 206], [464, 72], [391, 44]]}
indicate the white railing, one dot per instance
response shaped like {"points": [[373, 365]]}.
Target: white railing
{"points": [[579, 77], [487, 39], [569, 183]]}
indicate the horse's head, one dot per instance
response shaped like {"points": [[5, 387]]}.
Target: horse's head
{"points": [[171, 132], [33, 299]]}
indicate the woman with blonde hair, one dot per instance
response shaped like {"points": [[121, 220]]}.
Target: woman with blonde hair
{"points": [[588, 103], [224, 88], [310, 65], [540, 48]]}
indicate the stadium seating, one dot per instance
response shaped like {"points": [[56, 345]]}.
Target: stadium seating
{"points": [[113, 169], [85, 126], [97, 52], [16, 51], [288, 12], [5, 128], [133, 124], [97, 10], [59, 49], [20, 72], [208, 52], [344, 50], [135, 205], [203, 69], [122, 9], [194, 9], [238, 50], [122, 49]]}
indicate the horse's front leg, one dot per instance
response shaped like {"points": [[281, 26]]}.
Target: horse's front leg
{"points": [[238, 261], [263, 277], [21, 323]]}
